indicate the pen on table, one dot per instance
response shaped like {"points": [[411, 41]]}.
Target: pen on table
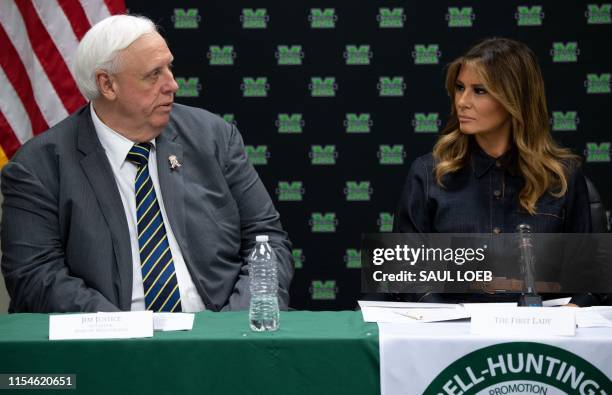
{"points": [[414, 316]]}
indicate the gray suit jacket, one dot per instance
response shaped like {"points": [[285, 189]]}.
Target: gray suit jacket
{"points": [[65, 238]]}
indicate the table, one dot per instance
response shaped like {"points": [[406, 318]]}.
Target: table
{"points": [[312, 353]]}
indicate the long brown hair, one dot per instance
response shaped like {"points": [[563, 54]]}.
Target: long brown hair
{"points": [[510, 72]]}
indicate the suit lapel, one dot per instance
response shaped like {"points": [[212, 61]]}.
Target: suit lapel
{"points": [[171, 183], [100, 175]]}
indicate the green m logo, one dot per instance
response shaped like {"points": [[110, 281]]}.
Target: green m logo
{"points": [[598, 152], [529, 16], [426, 123], [221, 56], [323, 223], [598, 84], [357, 55], [599, 14], [520, 367], [254, 87], [323, 87], [460, 17], [390, 18], [358, 191], [565, 121], [290, 191], [322, 19], [229, 118], [186, 19], [320, 155], [289, 55], [188, 87], [426, 54], [258, 155], [254, 19], [385, 222], [391, 86], [352, 258], [357, 123], [391, 155], [565, 52], [298, 258], [323, 290], [289, 123]]}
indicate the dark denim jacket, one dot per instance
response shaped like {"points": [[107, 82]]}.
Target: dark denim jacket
{"points": [[483, 198]]}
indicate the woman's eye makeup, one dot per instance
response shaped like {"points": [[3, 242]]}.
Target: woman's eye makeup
{"points": [[477, 89]]}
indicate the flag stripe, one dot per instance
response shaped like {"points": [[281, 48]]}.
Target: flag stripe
{"points": [[50, 58], [58, 26], [44, 94], [15, 114], [115, 6], [8, 141], [18, 78], [39, 41], [76, 16], [95, 10]]}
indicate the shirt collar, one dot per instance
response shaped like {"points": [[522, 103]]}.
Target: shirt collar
{"points": [[483, 162], [116, 146]]}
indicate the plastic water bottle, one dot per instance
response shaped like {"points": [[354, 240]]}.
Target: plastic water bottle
{"points": [[263, 312]]}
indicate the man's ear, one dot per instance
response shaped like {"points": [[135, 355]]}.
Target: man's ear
{"points": [[106, 84]]}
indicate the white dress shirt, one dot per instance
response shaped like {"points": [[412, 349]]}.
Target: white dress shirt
{"points": [[117, 147]]}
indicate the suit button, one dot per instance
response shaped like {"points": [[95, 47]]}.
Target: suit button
{"points": [[497, 163], [497, 230], [497, 193]]}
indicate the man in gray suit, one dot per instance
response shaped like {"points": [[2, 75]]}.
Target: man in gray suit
{"points": [[134, 202]]}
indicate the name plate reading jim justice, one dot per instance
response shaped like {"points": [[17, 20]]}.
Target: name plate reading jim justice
{"points": [[122, 325], [530, 321]]}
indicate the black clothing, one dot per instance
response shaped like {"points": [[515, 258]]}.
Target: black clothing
{"points": [[483, 197]]}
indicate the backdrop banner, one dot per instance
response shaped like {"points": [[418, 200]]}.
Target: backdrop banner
{"points": [[335, 100]]}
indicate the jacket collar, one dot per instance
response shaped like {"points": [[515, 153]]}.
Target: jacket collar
{"points": [[483, 162]]}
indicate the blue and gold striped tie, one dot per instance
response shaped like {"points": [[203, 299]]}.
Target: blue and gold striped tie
{"points": [[158, 274]]}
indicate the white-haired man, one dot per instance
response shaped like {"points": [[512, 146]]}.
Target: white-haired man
{"points": [[134, 202]]}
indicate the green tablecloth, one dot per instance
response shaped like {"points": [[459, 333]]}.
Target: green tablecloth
{"points": [[312, 353]]}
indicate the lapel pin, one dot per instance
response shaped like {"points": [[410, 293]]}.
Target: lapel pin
{"points": [[174, 163]]}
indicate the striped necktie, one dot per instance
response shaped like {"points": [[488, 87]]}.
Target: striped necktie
{"points": [[158, 274]]}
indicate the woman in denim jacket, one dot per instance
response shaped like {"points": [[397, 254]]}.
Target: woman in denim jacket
{"points": [[495, 165]]}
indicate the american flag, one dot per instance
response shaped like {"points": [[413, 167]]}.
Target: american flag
{"points": [[38, 42]]}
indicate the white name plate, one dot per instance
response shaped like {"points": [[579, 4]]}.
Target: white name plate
{"points": [[531, 321], [123, 325]]}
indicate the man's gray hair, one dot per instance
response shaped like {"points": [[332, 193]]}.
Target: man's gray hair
{"points": [[99, 49]]}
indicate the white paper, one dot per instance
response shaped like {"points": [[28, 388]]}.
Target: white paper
{"points": [[435, 315], [556, 302], [122, 325], [474, 307], [591, 318], [604, 311], [403, 305], [399, 312], [173, 321], [521, 321]]}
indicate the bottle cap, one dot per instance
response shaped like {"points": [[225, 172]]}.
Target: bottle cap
{"points": [[261, 238]]}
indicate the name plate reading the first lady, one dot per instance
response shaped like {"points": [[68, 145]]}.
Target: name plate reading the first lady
{"points": [[122, 325], [525, 321]]}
